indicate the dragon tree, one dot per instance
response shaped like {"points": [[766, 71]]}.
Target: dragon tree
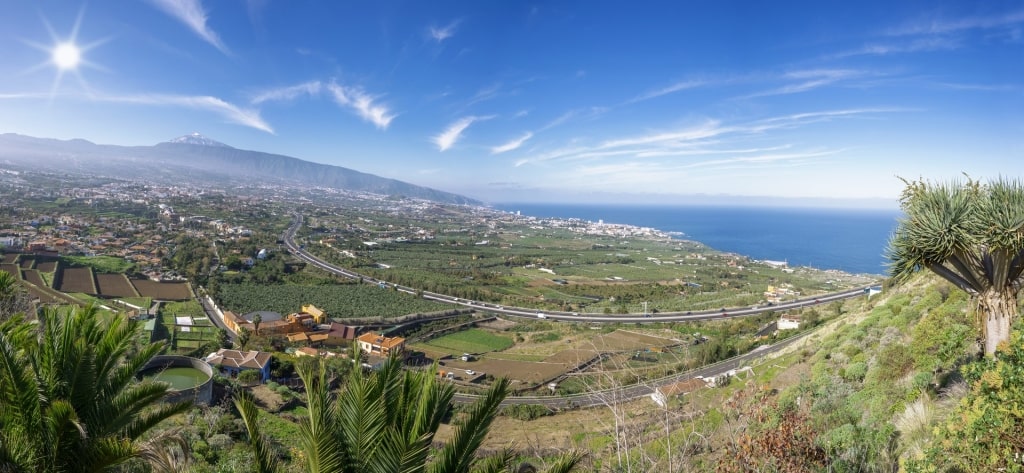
{"points": [[972, 235]]}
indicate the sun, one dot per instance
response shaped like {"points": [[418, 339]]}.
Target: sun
{"points": [[66, 56]]}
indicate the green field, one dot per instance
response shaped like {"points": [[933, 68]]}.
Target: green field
{"points": [[144, 302], [338, 301], [192, 308], [473, 340], [103, 264]]}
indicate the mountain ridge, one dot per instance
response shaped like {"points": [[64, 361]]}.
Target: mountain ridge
{"points": [[202, 159]]}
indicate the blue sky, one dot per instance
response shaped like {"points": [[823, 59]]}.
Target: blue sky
{"points": [[589, 101]]}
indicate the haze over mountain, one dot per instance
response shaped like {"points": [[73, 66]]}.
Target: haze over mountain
{"points": [[195, 158]]}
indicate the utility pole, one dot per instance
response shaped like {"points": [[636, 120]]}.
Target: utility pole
{"points": [[645, 307]]}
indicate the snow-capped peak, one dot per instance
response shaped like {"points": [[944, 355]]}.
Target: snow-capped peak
{"points": [[196, 138]]}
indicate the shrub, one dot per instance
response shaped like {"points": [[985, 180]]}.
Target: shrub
{"points": [[525, 411], [855, 371], [249, 376]]}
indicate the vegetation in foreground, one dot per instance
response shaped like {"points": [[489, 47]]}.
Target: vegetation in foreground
{"points": [[386, 422], [70, 401]]}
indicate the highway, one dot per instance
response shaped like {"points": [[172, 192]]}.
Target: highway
{"points": [[609, 396], [697, 315], [644, 389]]}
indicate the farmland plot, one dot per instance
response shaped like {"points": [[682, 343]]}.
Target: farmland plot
{"points": [[339, 301], [46, 266], [115, 285], [471, 341], [171, 291], [33, 277], [77, 280]]}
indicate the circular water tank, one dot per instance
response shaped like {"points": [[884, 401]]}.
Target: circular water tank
{"points": [[190, 378]]}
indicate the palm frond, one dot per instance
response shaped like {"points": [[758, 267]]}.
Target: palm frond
{"points": [[567, 462], [362, 418], [166, 452], [263, 453], [105, 453], [457, 456], [322, 445], [497, 463]]}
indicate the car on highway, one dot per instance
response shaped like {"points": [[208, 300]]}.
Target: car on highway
{"points": [[540, 315]]}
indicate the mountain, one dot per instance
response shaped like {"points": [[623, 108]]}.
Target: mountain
{"points": [[197, 159], [197, 139]]}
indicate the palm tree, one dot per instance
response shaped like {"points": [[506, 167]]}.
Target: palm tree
{"points": [[972, 235], [385, 422], [256, 321], [69, 400], [12, 296]]}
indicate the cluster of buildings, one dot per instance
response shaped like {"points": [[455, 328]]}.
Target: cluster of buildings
{"points": [[311, 326], [774, 294]]}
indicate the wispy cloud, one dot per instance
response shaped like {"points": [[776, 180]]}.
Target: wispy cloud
{"points": [[762, 159], [249, 117], [513, 144], [710, 137], [579, 113], [944, 25], [979, 87], [932, 43], [937, 34], [443, 33], [191, 13], [707, 129], [23, 96], [287, 94], [447, 138], [808, 80], [233, 113], [486, 93], [362, 103], [671, 89]]}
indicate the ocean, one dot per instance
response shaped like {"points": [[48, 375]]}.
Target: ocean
{"points": [[851, 240]]}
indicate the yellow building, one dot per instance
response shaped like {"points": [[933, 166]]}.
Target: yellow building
{"points": [[318, 315]]}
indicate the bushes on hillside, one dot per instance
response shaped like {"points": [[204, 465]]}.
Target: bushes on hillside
{"points": [[986, 431]]}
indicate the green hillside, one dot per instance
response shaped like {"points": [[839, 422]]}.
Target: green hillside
{"points": [[897, 384]]}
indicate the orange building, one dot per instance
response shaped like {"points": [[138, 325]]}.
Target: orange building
{"points": [[379, 345]]}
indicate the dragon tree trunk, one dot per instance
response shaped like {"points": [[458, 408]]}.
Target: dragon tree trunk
{"points": [[996, 310]]}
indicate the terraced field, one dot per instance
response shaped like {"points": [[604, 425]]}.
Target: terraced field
{"points": [[77, 280], [171, 291], [115, 285], [33, 277], [46, 266]]}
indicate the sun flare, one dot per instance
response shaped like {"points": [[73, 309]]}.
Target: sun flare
{"points": [[66, 56]]}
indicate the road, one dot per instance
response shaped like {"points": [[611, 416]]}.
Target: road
{"points": [[697, 315], [602, 397], [637, 391]]}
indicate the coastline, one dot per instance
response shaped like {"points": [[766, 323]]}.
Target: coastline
{"points": [[849, 240]]}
